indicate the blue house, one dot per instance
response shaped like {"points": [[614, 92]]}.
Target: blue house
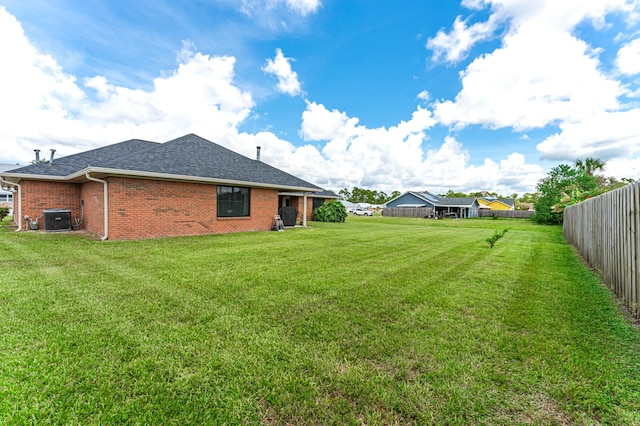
{"points": [[442, 206]]}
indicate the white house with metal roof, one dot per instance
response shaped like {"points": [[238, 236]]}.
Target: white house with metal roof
{"points": [[6, 191]]}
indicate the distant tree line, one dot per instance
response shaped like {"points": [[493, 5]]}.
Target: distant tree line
{"points": [[564, 185], [477, 194], [361, 195]]}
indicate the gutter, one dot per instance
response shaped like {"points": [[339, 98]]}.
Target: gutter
{"points": [[17, 185], [161, 176], [187, 178], [106, 204]]}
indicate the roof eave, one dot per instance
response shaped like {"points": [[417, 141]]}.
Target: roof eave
{"points": [[298, 194], [80, 175], [17, 177], [185, 178]]}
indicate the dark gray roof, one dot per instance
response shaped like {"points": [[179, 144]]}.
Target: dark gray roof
{"points": [[439, 201], [187, 156], [98, 157], [426, 195], [455, 202]]}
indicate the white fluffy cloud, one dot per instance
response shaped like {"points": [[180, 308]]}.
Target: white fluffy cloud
{"points": [[280, 67], [544, 75], [454, 46], [320, 124], [604, 135], [395, 158], [535, 79], [628, 59], [44, 107]]}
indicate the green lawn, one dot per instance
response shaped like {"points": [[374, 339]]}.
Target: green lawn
{"points": [[373, 321]]}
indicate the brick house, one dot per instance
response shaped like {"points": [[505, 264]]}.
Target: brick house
{"points": [[138, 189]]}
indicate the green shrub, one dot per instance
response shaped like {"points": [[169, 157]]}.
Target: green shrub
{"points": [[332, 211], [4, 212], [496, 236]]}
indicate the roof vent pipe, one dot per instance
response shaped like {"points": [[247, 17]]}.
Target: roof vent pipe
{"points": [[258, 153], [53, 151], [37, 151]]}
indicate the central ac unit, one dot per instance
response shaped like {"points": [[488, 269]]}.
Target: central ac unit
{"points": [[57, 220]]}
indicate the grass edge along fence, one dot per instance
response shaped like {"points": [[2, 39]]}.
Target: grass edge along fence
{"points": [[605, 231]]}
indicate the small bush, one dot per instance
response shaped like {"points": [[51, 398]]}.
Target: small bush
{"points": [[4, 212], [496, 236], [332, 211]]}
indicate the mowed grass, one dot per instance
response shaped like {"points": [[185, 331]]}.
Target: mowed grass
{"points": [[373, 321]]}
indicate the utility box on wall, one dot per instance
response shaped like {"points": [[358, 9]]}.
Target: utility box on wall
{"points": [[57, 220]]}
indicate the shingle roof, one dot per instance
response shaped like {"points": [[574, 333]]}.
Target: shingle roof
{"points": [[440, 201], [444, 201], [426, 195], [98, 157], [187, 156], [455, 202]]}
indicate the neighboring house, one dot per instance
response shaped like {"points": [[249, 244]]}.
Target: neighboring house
{"points": [[139, 189], [497, 203], [365, 206], [373, 207], [6, 191], [457, 207], [348, 205]]}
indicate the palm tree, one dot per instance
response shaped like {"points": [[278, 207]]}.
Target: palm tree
{"points": [[590, 165]]}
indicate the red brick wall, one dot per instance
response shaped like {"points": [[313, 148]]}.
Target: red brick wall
{"points": [[38, 196], [299, 204], [92, 193], [141, 208]]}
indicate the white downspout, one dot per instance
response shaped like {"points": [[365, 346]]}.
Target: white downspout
{"points": [[19, 221], [106, 205], [304, 207]]}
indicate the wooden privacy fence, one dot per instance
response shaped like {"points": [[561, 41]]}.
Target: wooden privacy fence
{"points": [[605, 231], [521, 214], [408, 212]]}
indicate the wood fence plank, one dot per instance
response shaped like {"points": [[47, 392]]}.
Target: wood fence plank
{"points": [[606, 231]]}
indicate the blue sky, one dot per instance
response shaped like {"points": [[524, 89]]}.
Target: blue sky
{"points": [[387, 95]]}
